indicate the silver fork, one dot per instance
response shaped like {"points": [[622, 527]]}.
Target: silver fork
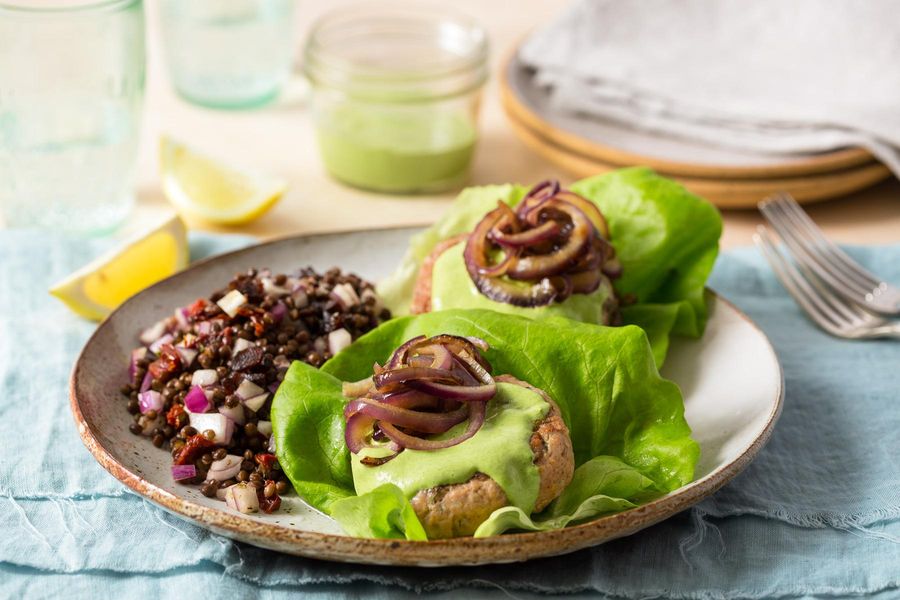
{"points": [[815, 252], [828, 310]]}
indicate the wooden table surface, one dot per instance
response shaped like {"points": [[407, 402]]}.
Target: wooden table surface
{"points": [[279, 139]]}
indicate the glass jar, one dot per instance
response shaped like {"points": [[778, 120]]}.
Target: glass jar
{"points": [[71, 91], [396, 91], [229, 54]]}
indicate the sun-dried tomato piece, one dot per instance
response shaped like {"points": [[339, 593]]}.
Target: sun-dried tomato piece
{"points": [[271, 504], [196, 308], [173, 417], [195, 446], [247, 358]]}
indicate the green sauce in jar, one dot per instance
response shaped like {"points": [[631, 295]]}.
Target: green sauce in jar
{"points": [[395, 95], [396, 150]]}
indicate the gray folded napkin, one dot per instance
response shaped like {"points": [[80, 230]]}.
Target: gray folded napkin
{"points": [[767, 76]]}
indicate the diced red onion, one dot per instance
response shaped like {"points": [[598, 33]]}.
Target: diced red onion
{"points": [[204, 328], [204, 377], [271, 447], [264, 427], [225, 468], [222, 426], [273, 387], [338, 340], [181, 317], [279, 311], [147, 382], [138, 354], [231, 302], [183, 472], [150, 400], [242, 498], [235, 413], [248, 389], [187, 355], [195, 401], [156, 346]]}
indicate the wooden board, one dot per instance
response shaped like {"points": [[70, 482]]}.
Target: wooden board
{"points": [[724, 193]]}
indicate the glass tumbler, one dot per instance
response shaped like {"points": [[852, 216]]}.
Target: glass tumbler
{"points": [[228, 53], [71, 89], [396, 92]]}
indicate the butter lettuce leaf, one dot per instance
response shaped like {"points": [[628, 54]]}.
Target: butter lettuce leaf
{"points": [[630, 439], [666, 238], [382, 513]]}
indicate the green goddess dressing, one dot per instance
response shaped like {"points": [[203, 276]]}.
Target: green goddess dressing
{"points": [[500, 449]]}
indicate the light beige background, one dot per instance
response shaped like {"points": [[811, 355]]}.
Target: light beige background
{"points": [[279, 139]]}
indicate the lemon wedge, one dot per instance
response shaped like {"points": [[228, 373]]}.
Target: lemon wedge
{"points": [[203, 187], [97, 288]]}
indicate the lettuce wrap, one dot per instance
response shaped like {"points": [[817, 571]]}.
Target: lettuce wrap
{"points": [[665, 237], [630, 439]]}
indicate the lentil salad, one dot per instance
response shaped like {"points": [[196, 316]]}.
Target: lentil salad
{"points": [[202, 382]]}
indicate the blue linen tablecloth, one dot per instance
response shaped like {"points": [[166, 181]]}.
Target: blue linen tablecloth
{"points": [[817, 514]]}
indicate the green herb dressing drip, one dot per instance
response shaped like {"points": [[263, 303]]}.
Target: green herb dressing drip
{"points": [[501, 450], [453, 288]]}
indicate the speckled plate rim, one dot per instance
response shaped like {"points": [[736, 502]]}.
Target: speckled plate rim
{"points": [[454, 552]]}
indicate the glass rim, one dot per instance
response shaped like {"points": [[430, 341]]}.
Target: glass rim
{"points": [[316, 51], [62, 7]]}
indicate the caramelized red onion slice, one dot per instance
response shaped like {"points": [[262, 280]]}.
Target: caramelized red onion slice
{"points": [[542, 233], [477, 411], [546, 265], [554, 238], [434, 385], [425, 422]]}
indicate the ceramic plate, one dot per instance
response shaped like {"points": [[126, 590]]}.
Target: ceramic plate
{"points": [[620, 145], [731, 381]]}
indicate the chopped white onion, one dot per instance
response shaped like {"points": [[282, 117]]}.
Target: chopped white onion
{"points": [[370, 293], [320, 345], [248, 389], [264, 427], [345, 295], [220, 493], [226, 468], [222, 426], [242, 498], [301, 298], [235, 413], [204, 377], [256, 402], [232, 302], [153, 333], [156, 346], [187, 355], [272, 289], [239, 345], [271, 447], [338, 340]]}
